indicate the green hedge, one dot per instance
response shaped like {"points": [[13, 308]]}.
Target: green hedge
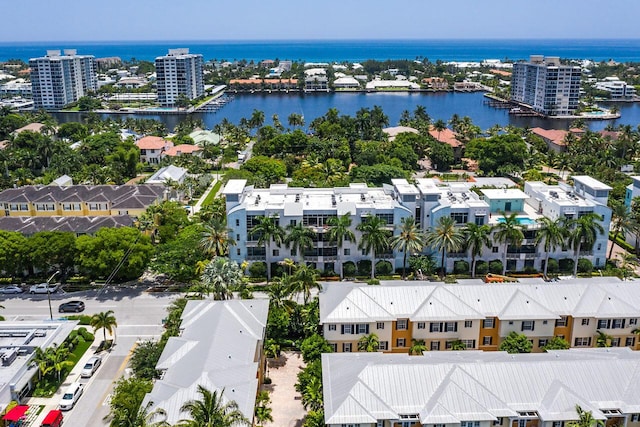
{"points": [[622, 243]]}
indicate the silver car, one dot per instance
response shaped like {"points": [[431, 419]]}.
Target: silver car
{"points": [[91, 366], [11, 289]]}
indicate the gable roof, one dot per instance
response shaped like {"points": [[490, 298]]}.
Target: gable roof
{"points": [[450, 387]]}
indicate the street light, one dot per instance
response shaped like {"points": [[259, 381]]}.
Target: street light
{"points": [[49, 292]]}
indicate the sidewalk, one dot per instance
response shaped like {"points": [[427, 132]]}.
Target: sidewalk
{"points": [[196, 208], [286, 402]]}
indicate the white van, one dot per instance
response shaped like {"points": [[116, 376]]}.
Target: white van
{"points": [[71, 396]]}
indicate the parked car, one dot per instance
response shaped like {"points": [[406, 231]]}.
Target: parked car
{"points": [[43, 288], [71, 307], [11, 289], [53, 419], [91, 366], [71, 396]]}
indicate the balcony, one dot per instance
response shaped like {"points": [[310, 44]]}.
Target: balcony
{"points": [[532, 255]]}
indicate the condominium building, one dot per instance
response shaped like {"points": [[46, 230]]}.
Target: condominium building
{"points": [[59, 79], [616, 88], [475, 389], [483, 201], [546, 86], [479, 317], [179, 73]]}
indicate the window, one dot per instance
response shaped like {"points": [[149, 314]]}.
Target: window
{"points": [[528, 325], [292, 222], [585, 322], [562, 321], [435, 327], [238, 251], [488, 323], [435, 345], [469, 423], [468, 323], [487, 340], [633, 322], [237, 222], [237, 237], [347, 329], [363, 328], [615, 342], [494, 249], [276, 252], [497, 422], [480, 219], [582, 342], [629, 342], [635, 418], [401, 325], [558, 424], [334, 347], [347, 251], [603, 324], [469, 343], [383, 345], [380, 325], [617, 324], [421, 325], [400, 342], [544, 322], [346, 347], [460, 217], [451, 327], [332, 327]]}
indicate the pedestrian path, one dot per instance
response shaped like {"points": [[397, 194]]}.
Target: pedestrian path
{"points": [[201, 200]]}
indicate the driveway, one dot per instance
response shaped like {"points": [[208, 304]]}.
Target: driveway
{"points": [[285, 400]]}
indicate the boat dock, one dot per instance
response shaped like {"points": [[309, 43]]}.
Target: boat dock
{"points": [[219, 100]]}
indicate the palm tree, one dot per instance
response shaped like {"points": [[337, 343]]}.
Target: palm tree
{"points": [[410, 240], [374, 238], [621, 223], [147, 418], [458, 345], [269, 230], [369, 343], [42, 359], [585, 419], [417, 347], [554, 234], [444, 238], [262, 411], [60, 359], [583, 235], [509, 232], [312, 394], [211, 411], [476, 238], [299, 238], [439, 125], [628, 264], [304, 280], [279, 292], [106, 321], [221, 277], [340, 231], [215, 238], [603, 339], [295, 119]]}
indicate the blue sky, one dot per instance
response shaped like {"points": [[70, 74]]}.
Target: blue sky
{"points": [[87, 20]]}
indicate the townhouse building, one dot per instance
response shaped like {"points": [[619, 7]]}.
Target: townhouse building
{"points": [[479, 317], [60, 78], [546, 85], [483, 201], [179, 73], [79, 200], [476, 389]]}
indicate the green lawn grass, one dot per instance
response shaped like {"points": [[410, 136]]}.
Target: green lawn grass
{"points": [[48, 385], [212, 194]]}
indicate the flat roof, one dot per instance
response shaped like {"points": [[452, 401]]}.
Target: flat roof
{"points": [[504, 193], [591, 182]]}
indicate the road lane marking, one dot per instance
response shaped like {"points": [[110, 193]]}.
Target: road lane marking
{"points": [[121, 369]]}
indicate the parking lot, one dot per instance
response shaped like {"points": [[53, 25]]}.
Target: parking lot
{"points": [[139, 316]]}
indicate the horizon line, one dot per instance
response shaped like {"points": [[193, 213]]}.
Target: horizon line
{"points": [[322, 40]]}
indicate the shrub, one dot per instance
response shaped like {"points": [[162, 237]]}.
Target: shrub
{"points": [[585, 266], [495, 267], [258, 269], [82, 319], [276, 270], [364, 267], [530, 270], [349, 269], [373, 282], [461, 267], [565, 264], [553, 267], [482, 268], [383, 268]]}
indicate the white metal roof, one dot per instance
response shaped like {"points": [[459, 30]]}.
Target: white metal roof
{"points": [[217, 349], [449, 387], [424, 301]]}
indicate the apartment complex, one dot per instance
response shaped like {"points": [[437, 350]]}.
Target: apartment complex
{"points": [[179, 73], [480, 316], [617, 88], [220, 347], [60, 78], [79, 200], [481, 202], [546, 86], [475, 389]]}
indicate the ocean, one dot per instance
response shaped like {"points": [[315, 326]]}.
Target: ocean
{"points": [[345, 50]]}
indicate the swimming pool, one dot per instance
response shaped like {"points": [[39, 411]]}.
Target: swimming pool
{"points": [[521, 220]]}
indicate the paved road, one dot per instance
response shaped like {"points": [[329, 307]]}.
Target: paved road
{"points": [[139, 317]]}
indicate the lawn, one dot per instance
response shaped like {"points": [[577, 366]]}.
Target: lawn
{"points": [[212, 194], [48, 385]]}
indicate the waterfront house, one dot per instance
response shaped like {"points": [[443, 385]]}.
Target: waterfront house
{"points": [[152, 148]]}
